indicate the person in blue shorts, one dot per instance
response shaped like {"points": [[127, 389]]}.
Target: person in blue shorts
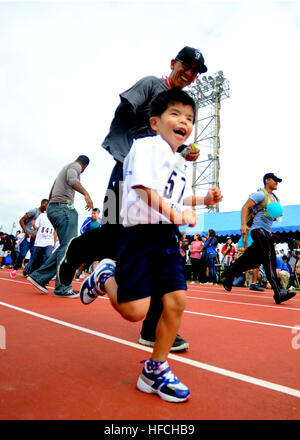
{"points": [[262, 249], [153, 204]]}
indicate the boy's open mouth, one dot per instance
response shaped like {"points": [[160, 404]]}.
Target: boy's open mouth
{"points": [[180, 131]]}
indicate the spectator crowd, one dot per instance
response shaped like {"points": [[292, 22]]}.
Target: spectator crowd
{"points": [[204, 263], [204, 257]]}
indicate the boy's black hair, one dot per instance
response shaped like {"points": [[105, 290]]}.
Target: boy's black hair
{"points": [[161, 102]]}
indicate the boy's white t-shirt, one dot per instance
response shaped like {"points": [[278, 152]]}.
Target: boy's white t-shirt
{"points": [[152, 163], [45, 233]]}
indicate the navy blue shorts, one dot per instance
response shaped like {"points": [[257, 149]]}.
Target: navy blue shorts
{"points": [[148, 262]]}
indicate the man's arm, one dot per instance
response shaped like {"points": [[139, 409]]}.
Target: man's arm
{"points": [[78, 187], [245, 210], [22, 224], [124, 114]]}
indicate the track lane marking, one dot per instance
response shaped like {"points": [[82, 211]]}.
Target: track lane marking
{"points": [[188, 296], [222, 291], [243, 303], [240, 319], [221, 371]]}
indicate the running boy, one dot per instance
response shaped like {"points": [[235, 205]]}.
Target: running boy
{"points": [[148, 261]]}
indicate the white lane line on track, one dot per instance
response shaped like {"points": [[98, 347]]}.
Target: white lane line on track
{"points": [[228, 373], [197, 313], [240, 320], [24, 282], [278, 307], [188, 296], [253, 294]]}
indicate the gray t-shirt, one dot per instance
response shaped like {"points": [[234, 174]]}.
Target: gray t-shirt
{"points": [[62, 188], [120, 138], [261, 220], [33, 215]]}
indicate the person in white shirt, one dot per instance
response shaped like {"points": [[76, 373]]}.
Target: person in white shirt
{"points": [[148, 260], [44, 243]]}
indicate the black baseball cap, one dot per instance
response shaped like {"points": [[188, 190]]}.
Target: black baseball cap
{"points": [[271, 176], [192, 56]]}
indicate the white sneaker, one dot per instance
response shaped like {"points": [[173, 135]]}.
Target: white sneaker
{"points": [[90, 288], [36, 284], [161, 381], [69, 294]]}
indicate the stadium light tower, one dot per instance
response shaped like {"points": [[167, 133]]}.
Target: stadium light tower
{"points": [[208, 93]]}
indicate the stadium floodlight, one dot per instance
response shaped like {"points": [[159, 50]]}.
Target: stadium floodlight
{"points": [[208, 92]]}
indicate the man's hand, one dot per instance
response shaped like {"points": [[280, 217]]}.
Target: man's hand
{"points": [[244, 232], [213, 196], [192, 154], [89, 203]]}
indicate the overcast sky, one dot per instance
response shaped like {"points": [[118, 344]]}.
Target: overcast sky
{"points": [[63, 65]]}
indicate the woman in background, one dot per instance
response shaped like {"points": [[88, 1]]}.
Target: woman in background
{"points": [[211, 255], [195, 256]]}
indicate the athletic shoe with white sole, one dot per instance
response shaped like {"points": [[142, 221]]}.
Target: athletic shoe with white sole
{"points": [[92, 286], [161, 381], [69, 294], [38, 285], [179, 345]]}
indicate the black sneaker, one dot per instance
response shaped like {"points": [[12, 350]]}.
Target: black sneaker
{"points": [[283, 295], [256, 287], [179, 345], [69, 294], [226, 281], [67, 268]]}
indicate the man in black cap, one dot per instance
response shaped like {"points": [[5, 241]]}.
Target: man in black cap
{"points": [[130, 122], [254, 215]]}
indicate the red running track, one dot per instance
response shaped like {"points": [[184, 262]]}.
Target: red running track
{"points": [[61, 360]]}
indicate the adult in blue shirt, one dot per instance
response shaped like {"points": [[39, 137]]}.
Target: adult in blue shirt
{"points": [[211, 255], [92, 222], [262, 249]]}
